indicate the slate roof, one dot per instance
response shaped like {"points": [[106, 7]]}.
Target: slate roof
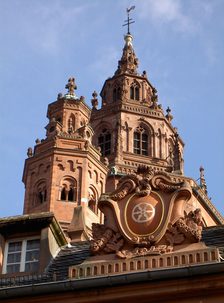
{"points": [[214, 236], [68, 256]]}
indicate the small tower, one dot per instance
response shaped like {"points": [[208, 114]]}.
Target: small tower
{"points": [[64, 173]]}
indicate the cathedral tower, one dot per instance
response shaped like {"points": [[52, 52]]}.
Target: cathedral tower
{"points": [[131, 127]]}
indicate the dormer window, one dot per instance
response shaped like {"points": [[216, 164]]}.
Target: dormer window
{"points": [[22, 256]]}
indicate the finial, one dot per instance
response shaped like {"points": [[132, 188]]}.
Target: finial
{"points": [[169, 116], [203, 184], [177, 160], [154, 99], [71, 86], [129, 20], [29, 152], [60, 96], [168, 110], [144, 74], [94, 101], [94, 94]]}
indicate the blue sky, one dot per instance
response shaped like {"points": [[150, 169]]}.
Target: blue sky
{"points": [[179, 43]]}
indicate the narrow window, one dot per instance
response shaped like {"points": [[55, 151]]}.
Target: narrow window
{"points": [[132, 93], [136, 93], [41, 193], [71, 194], [119, 93], [104, 142], [42, 196], [141, 142], [63, 194], [92, 204], [137, 143], [14, 257], [32, 255], [115, 94]]}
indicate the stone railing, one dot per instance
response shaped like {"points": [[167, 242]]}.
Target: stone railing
{"points": [[146, 263]]}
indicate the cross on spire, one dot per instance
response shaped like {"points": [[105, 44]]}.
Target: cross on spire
{"points": [[129, 20]]}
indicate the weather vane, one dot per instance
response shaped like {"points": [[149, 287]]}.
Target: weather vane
{"points": [[129, 20]]}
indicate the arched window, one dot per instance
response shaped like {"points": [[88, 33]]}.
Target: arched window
{"points": [[63, 194], [71, 194], [42, 196], [104, 142], [92, 200], [69, 190], [141, 141], [119, 93], [134, 92], [116, 94], [41, 192]]}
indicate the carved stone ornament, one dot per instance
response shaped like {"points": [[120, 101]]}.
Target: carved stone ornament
{"points": [[145, 216], [189, 227], [105, 239]]}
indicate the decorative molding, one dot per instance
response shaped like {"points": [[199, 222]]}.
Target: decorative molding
{"points": [[97, 268]]}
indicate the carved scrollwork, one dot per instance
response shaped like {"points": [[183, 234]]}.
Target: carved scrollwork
{"points": [[105, 240], [125, 187], [142, 182], [164, 182], [144, 251], [189, 227]]}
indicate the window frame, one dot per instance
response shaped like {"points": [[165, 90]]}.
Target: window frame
{"points": [[22, 263], [135, 92], [141, 142], [68, 190], [104, 142]]}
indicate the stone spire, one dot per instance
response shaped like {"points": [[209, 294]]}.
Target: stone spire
{"points": [[129, 62]]}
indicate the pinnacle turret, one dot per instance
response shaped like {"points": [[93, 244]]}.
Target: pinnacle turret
{"points": [[129, 62]]}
